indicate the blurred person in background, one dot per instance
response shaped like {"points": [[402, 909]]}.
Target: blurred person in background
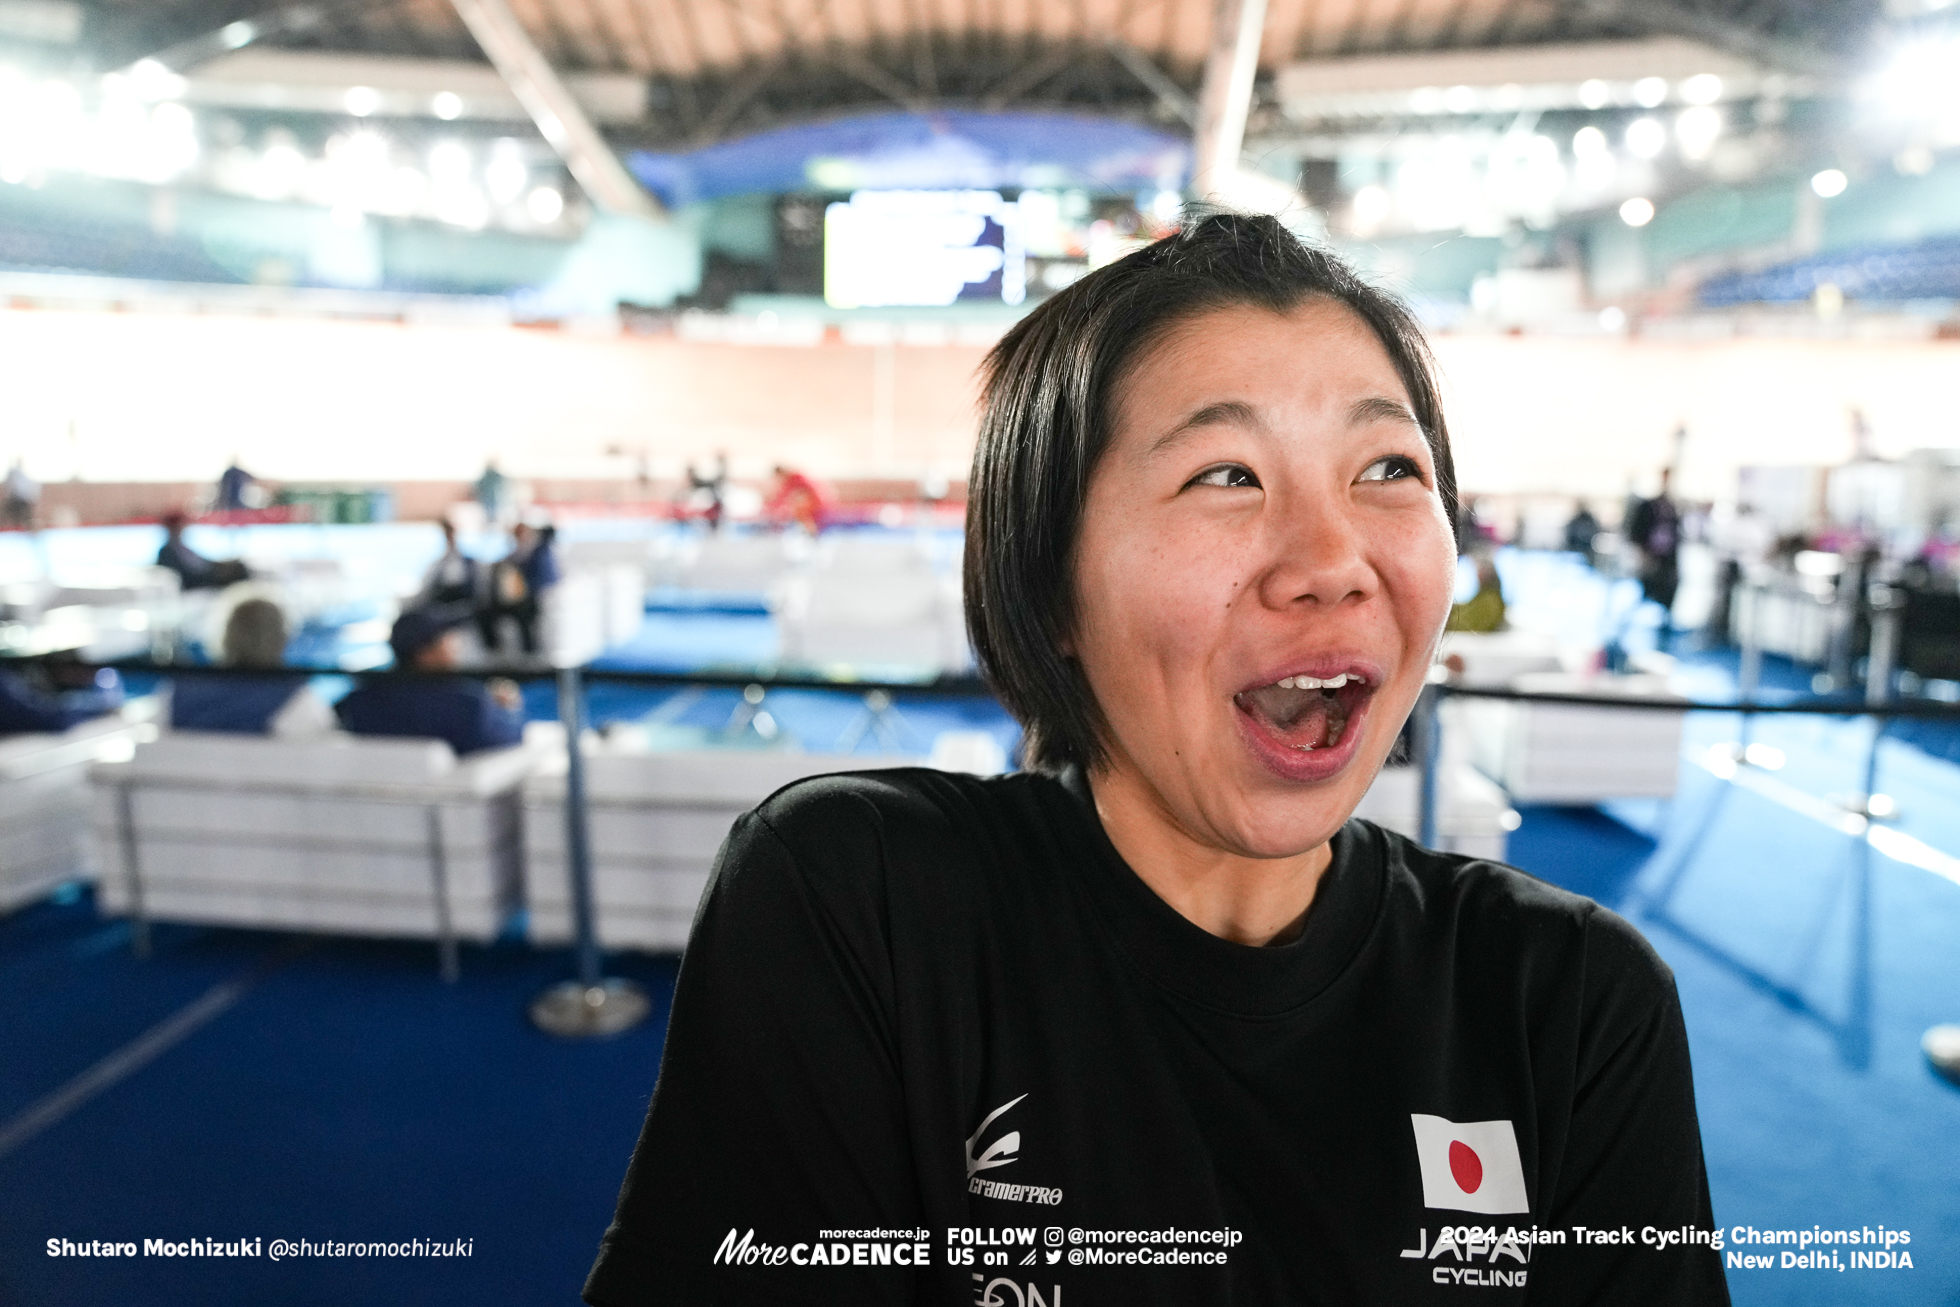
{"points": [[23, 498], [1580, 531], [234, 483], [1934, 562], [454, 578], [796, 497], [537, 557], [1654, 528], [44, 697], [1483, 611], [1475, 525], [194, 570], [712, 488], [279, 703], [517, 587], [492, 491], [469, 714]]}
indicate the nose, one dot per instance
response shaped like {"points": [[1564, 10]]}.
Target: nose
{"points": [[1316, 555]]}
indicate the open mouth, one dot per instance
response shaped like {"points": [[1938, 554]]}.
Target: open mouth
{"points": [[1306, 712]]}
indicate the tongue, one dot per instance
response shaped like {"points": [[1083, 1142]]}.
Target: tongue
{"points": [[1303, 719]]}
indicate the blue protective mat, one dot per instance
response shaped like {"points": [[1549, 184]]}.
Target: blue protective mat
{"points": [[348, 1096], [1808, 967]]}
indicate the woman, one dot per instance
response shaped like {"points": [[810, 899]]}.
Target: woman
{"points": [[1152, 1021]]}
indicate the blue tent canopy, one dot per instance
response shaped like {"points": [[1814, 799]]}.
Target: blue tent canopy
{"points": [[954, 149]]}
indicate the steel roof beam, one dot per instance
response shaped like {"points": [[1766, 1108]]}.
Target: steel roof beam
{"points": [[1226, 97], [559, 118], [1169, 94]]}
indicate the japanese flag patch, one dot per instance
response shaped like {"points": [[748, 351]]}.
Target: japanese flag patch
{"points": [[1469, 1166]]}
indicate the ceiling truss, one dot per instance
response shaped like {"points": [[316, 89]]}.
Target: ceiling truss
{"points": [[716, 68]]}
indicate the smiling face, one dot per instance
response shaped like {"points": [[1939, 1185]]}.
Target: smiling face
{"points": [[1262, 573]]}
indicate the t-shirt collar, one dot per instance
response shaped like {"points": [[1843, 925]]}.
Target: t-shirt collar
{"points": [[1183, 957]]}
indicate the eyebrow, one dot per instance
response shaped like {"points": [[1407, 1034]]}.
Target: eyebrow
{"points": [[1230, 412], [1233, 412], [1380, 408]]}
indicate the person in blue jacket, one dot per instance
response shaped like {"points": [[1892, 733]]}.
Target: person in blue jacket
{"points": [[469, 714], [194, 570], [232, 485], [276, 702], [27, 708], [517, 587]]}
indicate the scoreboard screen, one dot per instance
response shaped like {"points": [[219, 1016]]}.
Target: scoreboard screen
{"points": [[892, 249]]}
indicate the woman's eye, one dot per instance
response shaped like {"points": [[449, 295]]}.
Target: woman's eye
{"points": [[1229, 475], [1396, 467]]}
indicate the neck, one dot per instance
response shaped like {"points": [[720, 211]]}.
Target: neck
{"points": [[1248, 900]]}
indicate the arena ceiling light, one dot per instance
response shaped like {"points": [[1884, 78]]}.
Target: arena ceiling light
{"points": [[119, 128], [545, 204], [1372, 205], [149, 79], [1646, 138], [1921, 80], [1595, 75], [280, 172], [1594, 166], [1697, 128], [301, 81], [1702, 88], [507, 175]]}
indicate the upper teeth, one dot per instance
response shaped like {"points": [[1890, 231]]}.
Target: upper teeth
{"points": [[1316, 683]]}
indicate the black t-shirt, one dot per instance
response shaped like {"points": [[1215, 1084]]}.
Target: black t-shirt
{"points": [[934, 1042]]}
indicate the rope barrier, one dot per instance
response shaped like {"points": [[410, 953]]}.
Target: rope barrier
{"points": [[593, 1004]]}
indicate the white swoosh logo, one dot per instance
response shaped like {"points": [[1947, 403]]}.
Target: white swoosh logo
{"points": [[1007, 1143]]}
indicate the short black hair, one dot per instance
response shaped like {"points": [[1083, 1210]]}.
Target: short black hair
{"points": [[1047, 394]]}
